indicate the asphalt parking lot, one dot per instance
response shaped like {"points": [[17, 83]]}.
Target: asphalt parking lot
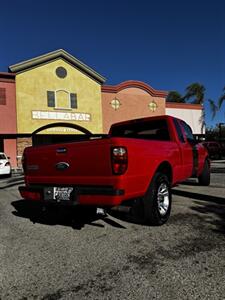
{"points": [[68, 255]]}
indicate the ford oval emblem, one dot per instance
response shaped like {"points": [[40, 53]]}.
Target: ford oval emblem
{"points": [[62, 166]]}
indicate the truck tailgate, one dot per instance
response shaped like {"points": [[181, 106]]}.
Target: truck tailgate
{"points": [[79, 159]]}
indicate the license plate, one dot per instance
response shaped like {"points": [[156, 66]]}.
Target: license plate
{"points": [[62, 193]]}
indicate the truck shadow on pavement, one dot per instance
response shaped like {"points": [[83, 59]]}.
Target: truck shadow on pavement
{"points": [[212, 208], [75, 217]]}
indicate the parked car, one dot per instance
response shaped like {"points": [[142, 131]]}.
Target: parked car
{"points": [[5, 167], [214, 149], [223, 148]]}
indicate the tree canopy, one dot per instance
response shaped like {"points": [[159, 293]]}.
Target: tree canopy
{"points": [[195, 92], [175, 96]]}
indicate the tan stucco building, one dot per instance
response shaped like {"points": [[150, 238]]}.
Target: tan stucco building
{"points": [[54, 87]]}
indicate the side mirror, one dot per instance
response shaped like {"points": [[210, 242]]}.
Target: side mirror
{"points": [[8, 157]]}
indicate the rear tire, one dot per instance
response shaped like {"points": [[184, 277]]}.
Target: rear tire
{"points": [[154, 208], [157, 201], [204, 178]]}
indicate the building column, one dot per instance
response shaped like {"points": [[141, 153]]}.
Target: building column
{"points": [[10, 151], [22, 143]]}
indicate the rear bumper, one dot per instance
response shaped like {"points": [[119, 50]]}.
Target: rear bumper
{"points": [[82, 195]]}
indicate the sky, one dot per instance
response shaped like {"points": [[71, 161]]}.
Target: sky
{"points": [[167, 44]]}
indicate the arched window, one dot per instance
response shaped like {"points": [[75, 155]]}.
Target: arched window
{"points": [[61, 99]]}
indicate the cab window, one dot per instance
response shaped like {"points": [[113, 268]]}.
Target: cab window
{"points": [[188, 132], [179, 131]]}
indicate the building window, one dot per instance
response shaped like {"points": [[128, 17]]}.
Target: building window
{"points": [[61, 99], [2, 96], [61, 72], [1, 145], [51, 98], [73, 100]]}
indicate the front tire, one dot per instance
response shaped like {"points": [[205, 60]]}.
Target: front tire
{"points": [[204, 178]]}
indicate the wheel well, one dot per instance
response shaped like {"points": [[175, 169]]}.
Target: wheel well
{"points": [[207, 159], [166, 169]]}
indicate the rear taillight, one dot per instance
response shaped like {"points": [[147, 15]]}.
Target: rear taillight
{"points": [[30, 195], [119, 160]]}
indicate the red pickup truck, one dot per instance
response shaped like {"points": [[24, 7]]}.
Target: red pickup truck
{"points": [[134, 166]]}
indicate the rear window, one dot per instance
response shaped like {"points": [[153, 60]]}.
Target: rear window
{"points": [[148, 130]]}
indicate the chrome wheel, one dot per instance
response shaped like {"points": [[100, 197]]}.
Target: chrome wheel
{"points": [[163, 199]]}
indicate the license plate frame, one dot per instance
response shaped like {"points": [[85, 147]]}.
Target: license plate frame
{"points": [[62, 193], [58, 193]]}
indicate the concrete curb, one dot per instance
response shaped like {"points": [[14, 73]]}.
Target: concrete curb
{"points": [[8, 182]]}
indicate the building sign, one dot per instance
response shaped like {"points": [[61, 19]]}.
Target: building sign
{"points": [[56, 115], [63, 129]]}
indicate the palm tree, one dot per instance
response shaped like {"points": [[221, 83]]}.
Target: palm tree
{"points": [[202, 121], [221, 99], [174, 96], [213, 108], [195, 91]]}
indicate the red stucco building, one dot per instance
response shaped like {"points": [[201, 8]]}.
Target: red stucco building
{"points": [[8, 115], [130, 99]]}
